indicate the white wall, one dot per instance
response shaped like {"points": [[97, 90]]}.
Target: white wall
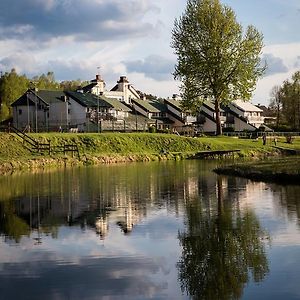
{"points": [[77, 113]]}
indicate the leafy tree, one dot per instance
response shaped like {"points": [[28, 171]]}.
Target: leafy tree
{"points": [[285, 101], [72, 85], [45, 82], [215, 59], [12, 86], [276, 102], [291, 101]]}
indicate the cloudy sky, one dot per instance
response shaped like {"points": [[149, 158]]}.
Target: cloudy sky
{"points": [[73, 38]]}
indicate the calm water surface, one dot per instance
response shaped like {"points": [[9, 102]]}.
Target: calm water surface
{"points": [[171, 230]]}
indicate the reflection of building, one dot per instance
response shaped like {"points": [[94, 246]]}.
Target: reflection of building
{"points": [[101, 227]]}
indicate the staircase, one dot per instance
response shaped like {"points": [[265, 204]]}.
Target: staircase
{"points": [[37, 147]]}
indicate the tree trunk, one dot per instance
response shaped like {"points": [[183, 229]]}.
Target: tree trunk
{"points": [[218, 120], [277, 117]]}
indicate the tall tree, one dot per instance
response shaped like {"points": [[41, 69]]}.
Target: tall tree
{"points": [[291, 101], [12, 86], [216, 60], [276, 102]]}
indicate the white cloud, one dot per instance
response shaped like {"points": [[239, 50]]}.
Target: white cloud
{"points": [[288, 56]]}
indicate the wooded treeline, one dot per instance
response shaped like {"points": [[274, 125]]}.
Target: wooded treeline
{"points": [[285, 103], [13, 85]]}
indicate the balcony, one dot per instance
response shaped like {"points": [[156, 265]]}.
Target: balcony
{"points": [[190, 119]]}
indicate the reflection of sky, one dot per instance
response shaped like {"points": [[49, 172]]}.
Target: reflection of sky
{"points": [[283, 254], [78, 265], [142, 264]]}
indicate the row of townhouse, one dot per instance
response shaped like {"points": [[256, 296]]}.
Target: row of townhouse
{"points": [[51, 110]]}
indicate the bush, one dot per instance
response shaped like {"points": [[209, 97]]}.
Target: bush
{"points": [[152, 129], [228, 129]]}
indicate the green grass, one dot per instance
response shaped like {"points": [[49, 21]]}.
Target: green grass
{"points": [[121, 143], [135, 146], [282, 170]]}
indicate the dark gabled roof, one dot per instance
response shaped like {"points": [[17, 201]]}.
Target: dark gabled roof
{"points": [[115, 103], [115, 88], [51, 96], [89, 87], [209, 105], [45, 96], [175, 103], [23, 100], [91, 100], [87, 99], [146, 105], [162, 107]]}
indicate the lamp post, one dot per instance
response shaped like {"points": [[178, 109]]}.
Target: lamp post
{"points": [[28, 115], [35, 101], [98, 114], [98, 96]]}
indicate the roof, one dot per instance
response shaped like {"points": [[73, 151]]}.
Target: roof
{"points": [[115, 103], [174, 103], [159, 105], [89, 87], [51, 96], [91, 100], [86, 99], [115, 88], [146, 105], [46, 96], [211, 106], [23, 100], [246, 106]]}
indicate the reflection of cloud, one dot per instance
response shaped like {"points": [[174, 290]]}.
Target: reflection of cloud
{"points": [[93, 278]]}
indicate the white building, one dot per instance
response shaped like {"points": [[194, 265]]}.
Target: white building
{"points": [[244, 115], [122, 91], [41, 110]]}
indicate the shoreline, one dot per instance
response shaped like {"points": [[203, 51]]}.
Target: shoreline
{"points": [[110, 148], [285, 171]]}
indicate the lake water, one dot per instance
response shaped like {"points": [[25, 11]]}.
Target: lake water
{"points": [[168, 230]]}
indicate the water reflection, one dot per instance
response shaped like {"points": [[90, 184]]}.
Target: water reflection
{"points": [[89, 197], [170, 230], [288, 200], [220, 246]]}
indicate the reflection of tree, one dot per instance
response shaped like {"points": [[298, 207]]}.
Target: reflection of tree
{"points": [[289, 200], [219, 248], [11, 225]]}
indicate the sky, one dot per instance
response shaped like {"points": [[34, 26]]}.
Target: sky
{"points": [[76, 39]]}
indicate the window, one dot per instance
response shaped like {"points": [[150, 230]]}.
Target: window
{"points": [[20, 111]]}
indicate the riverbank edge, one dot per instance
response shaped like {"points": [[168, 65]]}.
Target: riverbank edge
{"points": [[35, 163], [279, 177], [109, 148], [9, 167]]}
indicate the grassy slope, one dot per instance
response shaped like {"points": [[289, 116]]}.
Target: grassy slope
{"points": [[111, 143], [135, 146], [11, 148], [282, 170]]}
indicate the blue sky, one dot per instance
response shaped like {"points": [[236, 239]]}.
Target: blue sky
{"points": [[73, 38]]}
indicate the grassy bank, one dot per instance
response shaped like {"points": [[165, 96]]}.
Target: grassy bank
{"points": [[281, 170], [120, 147]]}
